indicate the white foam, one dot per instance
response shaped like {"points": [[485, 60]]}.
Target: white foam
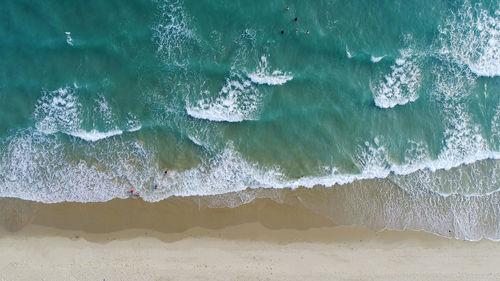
{"points": [[69, 40], [134, 129], [495, 127], [58, 110], [349, 56], [462, 138], [36, 166], [133, 123], [223, 173], [376, 59], [238, 100], [61, 111], [195, 140], [263, 76], [39, 162], [462, 143], [472, 37], [401, 85], [95, 135], [173, 33], [229, 172]]}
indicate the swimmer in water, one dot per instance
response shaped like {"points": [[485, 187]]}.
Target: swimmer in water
{"points": [[307, 32], [287, 9], [282, 31], [296, 19], [134, 194]]}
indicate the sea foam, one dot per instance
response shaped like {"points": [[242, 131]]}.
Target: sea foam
{"points": [[61, 111], [376, 59], [401, 85], [95, 135], [58, 110], [472, 37], [174, 33], [238, 100], [263, 76], [69, 40]]}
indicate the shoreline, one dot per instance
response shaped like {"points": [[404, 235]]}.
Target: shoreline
{"points": [[388, 203], [176, 239]]}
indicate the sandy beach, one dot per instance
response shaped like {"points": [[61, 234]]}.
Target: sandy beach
{"points": [[176, 240]]}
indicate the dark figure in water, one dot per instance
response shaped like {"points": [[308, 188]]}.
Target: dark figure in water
{"points": [[134, 194], [307, 32], [165, 173], [287, 9], [296, 19], [282, 31]]}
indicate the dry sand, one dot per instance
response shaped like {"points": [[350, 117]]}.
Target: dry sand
{"points": [[177, 240]]}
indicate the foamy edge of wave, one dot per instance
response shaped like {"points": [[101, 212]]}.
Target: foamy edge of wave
{"points": [[208, 114], [401, 85], [263, 76], [399, 170], [277, 78], [94, 135], [472, 37], [374, 59], [230, 172]]}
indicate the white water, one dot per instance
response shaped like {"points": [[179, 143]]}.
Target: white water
{"points": [[264, 76], [95, 135], [401, 85], [472, 38], [376, 59], [61, 111], [238, 100], [69, 40]]}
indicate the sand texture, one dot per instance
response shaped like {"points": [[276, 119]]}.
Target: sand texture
{"points": [[176, 240]]}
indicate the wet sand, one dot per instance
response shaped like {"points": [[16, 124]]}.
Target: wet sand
{"points": [[180, 239]]}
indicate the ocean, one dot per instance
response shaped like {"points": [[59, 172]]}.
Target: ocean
{"points": [[394, 106]]}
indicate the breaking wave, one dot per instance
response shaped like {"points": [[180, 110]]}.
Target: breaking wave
{"points": [[238, 100], [401, 85], [264, 76], [376, 59], [61, 111]]}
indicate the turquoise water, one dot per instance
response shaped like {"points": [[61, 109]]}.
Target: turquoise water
{"points": [[101, 97]]}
